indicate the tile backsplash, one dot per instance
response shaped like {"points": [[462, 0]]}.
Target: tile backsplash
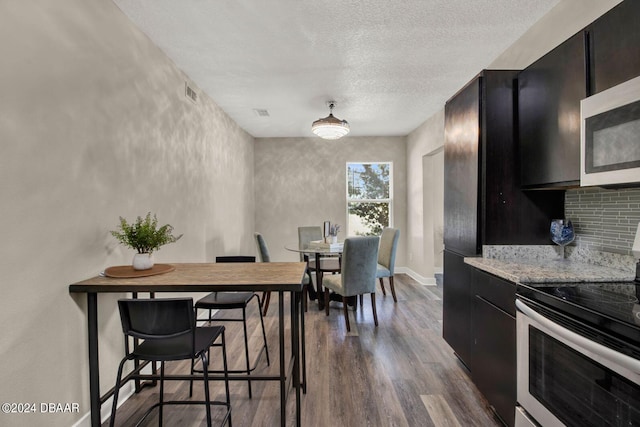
{"points": [[604, 220]]}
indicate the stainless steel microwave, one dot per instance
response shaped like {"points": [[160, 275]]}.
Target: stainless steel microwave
{"points": [[610, 136]]}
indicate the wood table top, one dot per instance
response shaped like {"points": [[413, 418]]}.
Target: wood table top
{"points": [[205, 277]]}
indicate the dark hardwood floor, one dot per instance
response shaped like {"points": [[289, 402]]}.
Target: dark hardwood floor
{"points": [[401, 373]]}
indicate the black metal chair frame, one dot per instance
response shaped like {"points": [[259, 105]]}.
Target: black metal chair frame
{"points": [[231, 301], [179, 311]]}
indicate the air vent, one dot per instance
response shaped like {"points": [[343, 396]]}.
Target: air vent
{"points": [[261, 112], [190, 93]]}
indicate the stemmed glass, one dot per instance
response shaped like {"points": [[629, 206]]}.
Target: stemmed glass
{"points": [[562, 232]]}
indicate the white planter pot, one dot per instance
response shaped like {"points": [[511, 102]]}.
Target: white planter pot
{"points": [[334, 239], [142, 261]]}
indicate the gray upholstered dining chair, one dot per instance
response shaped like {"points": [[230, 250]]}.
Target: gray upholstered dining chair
{"points": [[387, 258], [358, 276], [263, 250]]}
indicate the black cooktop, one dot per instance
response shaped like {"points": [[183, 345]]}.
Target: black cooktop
{"points": [[612, 307]]}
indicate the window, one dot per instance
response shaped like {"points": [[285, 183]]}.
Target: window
{"points": [[369, 197]]}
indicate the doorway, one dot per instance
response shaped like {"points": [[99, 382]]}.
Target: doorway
{"points": [[433, 207]]}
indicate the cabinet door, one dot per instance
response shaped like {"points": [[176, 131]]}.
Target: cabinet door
{"points": [[493, 367], [456, 305], [500, 195], [509, 215], [461, 172], [549, 94], [615, 46]]}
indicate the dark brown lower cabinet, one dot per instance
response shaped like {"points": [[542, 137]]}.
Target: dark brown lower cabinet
{"points": [[493, 360], [456, 302]]}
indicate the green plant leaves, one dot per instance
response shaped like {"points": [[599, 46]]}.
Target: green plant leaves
{"points": [[144, 235]]}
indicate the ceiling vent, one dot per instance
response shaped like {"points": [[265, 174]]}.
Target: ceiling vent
{"points": [[190, 93], [261, 112]]}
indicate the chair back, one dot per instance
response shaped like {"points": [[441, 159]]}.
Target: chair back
{"points": [[388, 246], [235, 258], [359, 264], [263, 250], [157, 318], [306, 234]]}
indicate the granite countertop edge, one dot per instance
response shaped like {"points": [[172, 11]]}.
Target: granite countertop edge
{"points": [[548, 271]]}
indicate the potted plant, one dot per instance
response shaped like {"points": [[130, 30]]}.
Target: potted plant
{"points": [[145, 237]]}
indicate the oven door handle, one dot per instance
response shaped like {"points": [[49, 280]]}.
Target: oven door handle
{"points": [[578, 340]]}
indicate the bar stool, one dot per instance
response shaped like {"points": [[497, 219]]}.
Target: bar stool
{"points": [[234, 301], [169, 331]]}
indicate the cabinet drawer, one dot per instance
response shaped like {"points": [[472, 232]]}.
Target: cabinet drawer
{"points": [[493, 366], [498, 292]]}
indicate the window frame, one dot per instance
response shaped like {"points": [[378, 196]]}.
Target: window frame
{"points": [[349, 200]]}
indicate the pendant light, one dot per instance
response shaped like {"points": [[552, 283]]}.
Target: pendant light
{"points": [[330, 127]]}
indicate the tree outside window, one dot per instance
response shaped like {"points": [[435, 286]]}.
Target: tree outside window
{"points": [[369, 198]]}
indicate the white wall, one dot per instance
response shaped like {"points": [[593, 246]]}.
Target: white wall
{"points": [[94, 124], [302, 181]]}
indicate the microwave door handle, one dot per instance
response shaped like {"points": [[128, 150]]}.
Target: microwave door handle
{"points": [[605, 352]]}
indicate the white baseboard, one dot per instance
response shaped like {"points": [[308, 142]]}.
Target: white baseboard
{"points": [[427, 281]]}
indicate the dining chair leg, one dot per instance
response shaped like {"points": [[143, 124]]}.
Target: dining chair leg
{"points": [[246, 348], [160, 407], [264, 334], [266, 297], [384, 292], [193, 363], [305, 295], [326, 301], [360, 296], [373, 308], [346, 313], [393, 289], [225, 367], [116, 391], [205, 376]]}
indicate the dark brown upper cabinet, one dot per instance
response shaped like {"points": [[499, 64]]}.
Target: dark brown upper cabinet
{"points": [[483, 201], [549, 94], [604, 54], [614, 47]]}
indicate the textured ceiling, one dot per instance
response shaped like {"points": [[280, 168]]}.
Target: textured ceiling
{"points": [[389, 64]]}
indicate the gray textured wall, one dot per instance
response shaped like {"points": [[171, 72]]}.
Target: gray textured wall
{"points": [[94, 124], [604, 220], [302, 181]]}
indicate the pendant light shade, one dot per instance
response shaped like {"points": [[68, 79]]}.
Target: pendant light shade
{"points": [[330, 127]]}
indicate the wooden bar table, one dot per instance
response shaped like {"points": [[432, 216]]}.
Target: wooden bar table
{"points": [[278, 277]]}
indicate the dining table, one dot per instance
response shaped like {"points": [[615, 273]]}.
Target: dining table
{"points": [[281, 277], [323, 255]]}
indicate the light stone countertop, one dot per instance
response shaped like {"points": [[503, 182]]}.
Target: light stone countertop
{"points": [[547, 266]]}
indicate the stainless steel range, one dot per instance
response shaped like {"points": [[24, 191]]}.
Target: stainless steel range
{"points": [[578, 354]]}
